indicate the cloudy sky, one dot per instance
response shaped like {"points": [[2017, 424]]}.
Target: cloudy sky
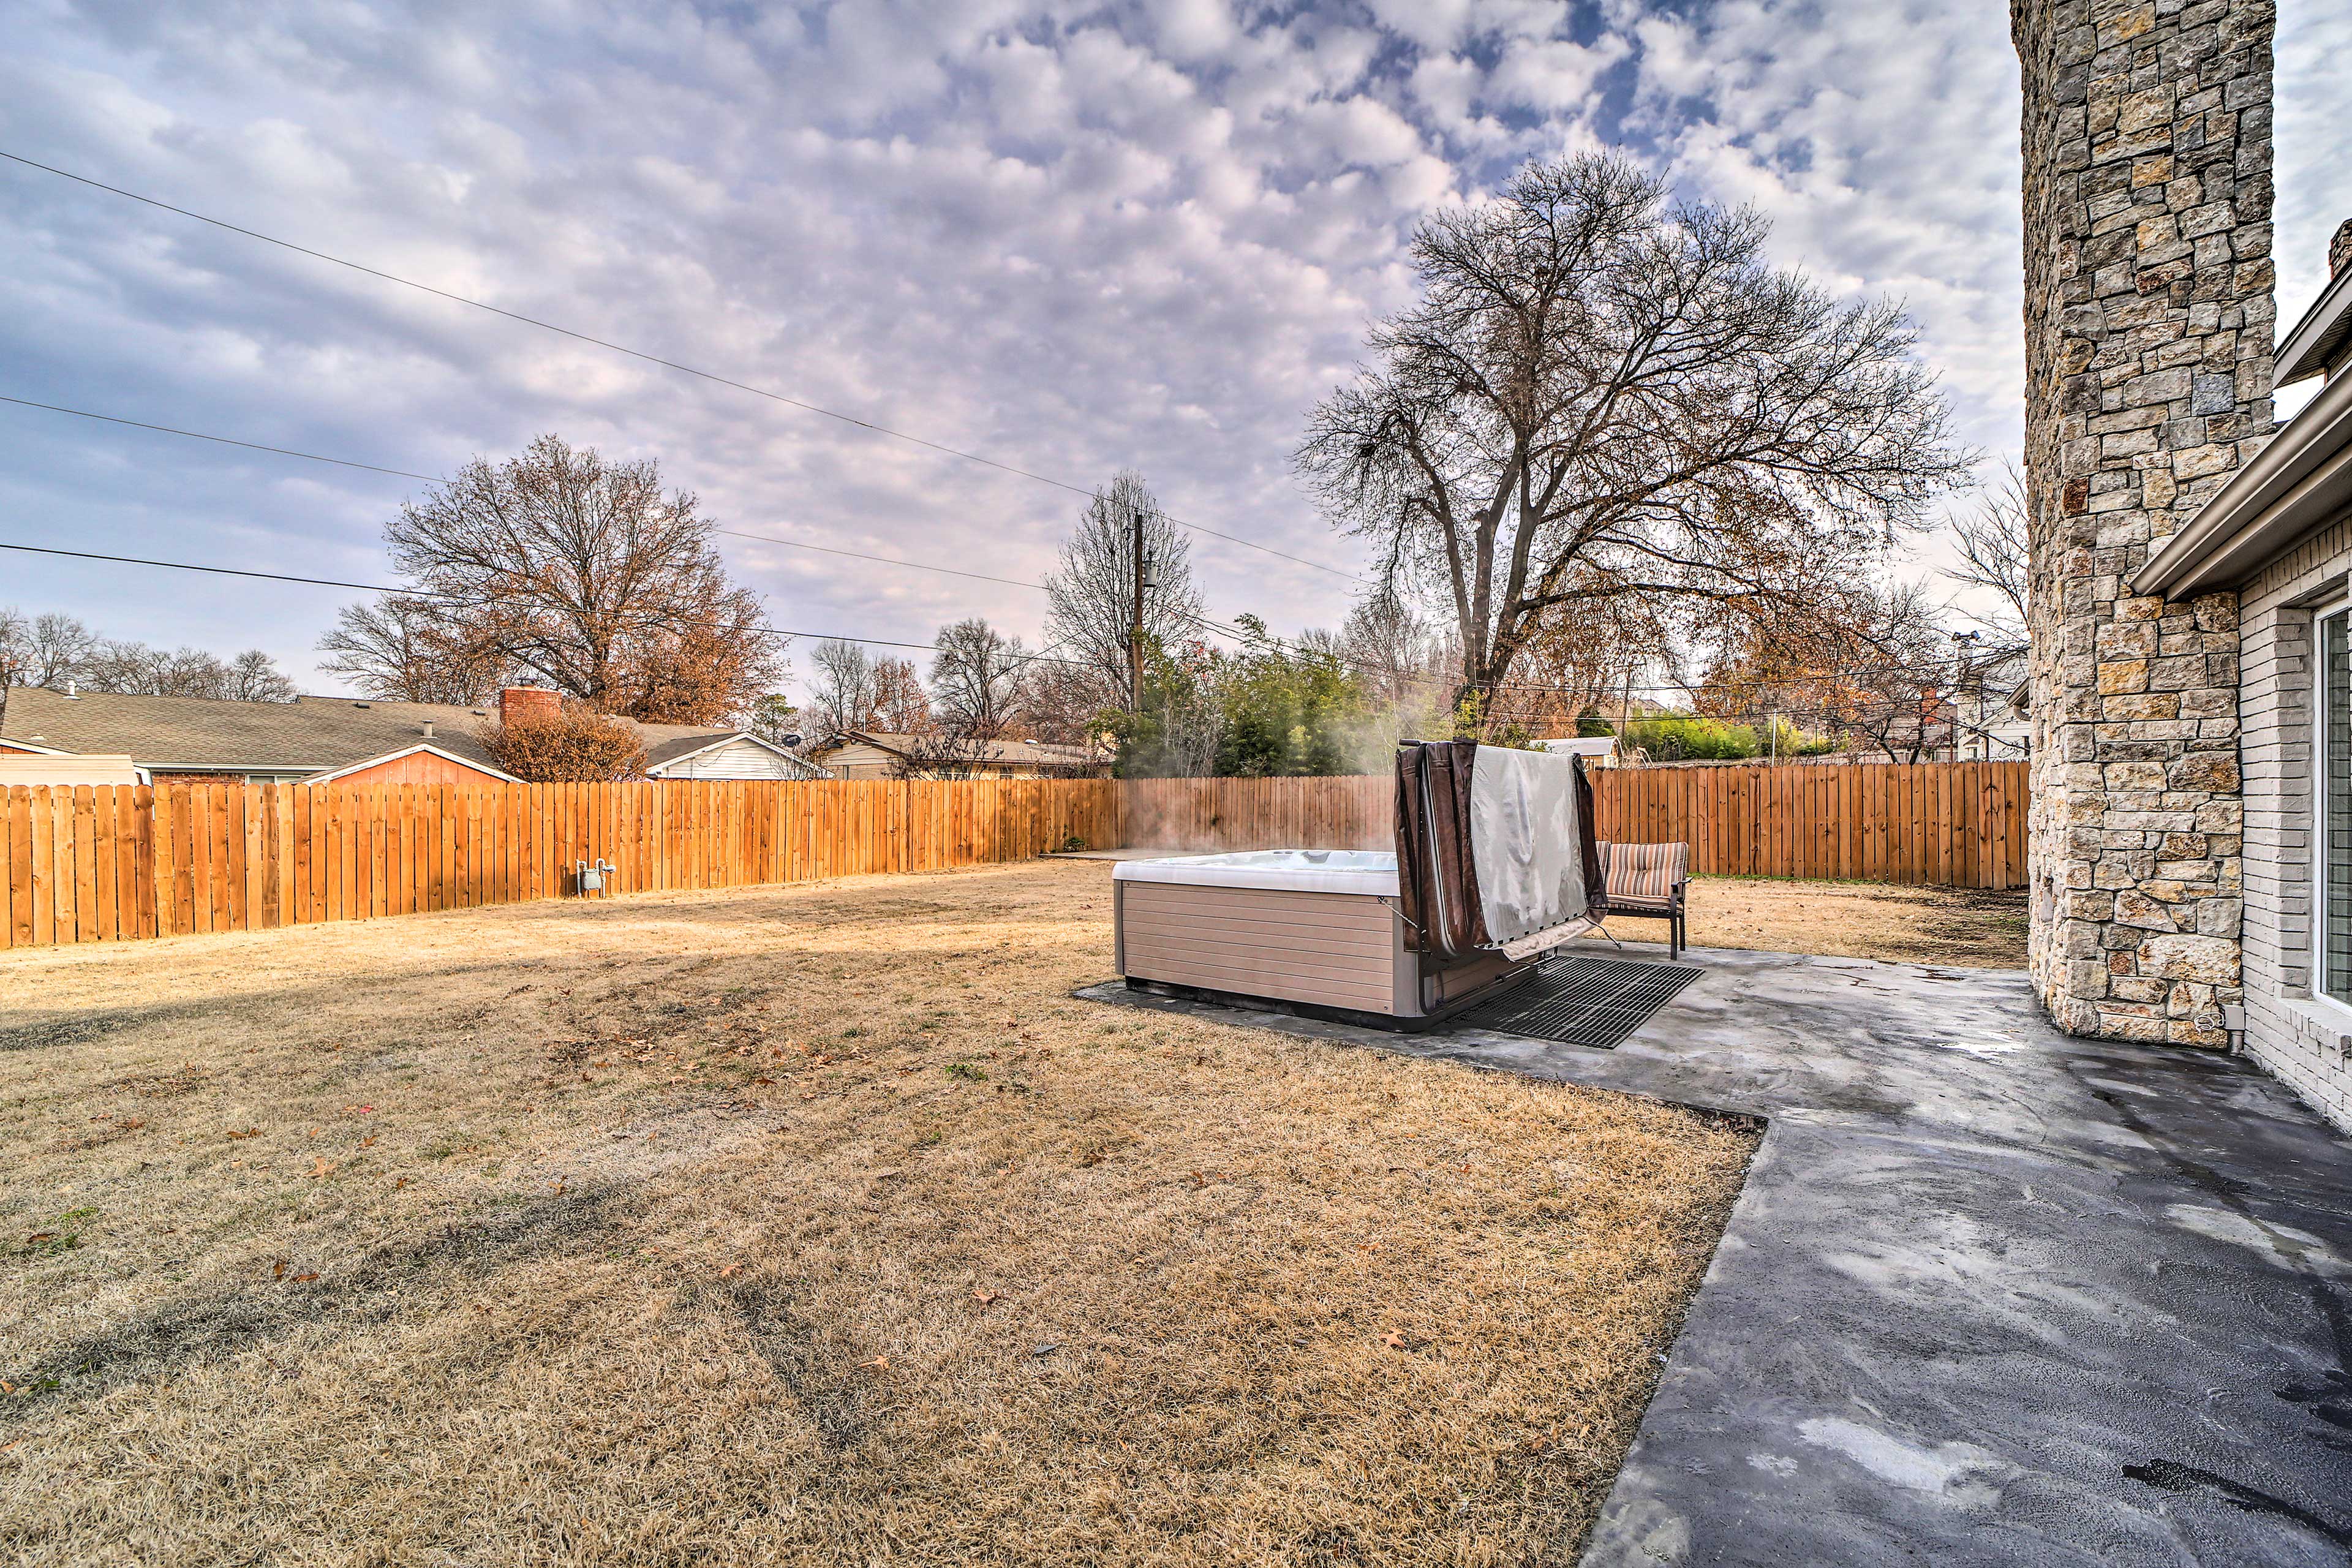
{"points": [[1071, 238]]}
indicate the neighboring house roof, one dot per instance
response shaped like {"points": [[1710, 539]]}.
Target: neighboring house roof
{"points": [[987, 753], [309, 735], [664, 757]]}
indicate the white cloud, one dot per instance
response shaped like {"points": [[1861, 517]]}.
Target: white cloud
{"points": [[1072, 238]]}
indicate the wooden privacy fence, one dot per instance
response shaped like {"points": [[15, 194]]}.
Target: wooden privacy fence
{"points": [[1960, 824], [96, 864], [1207, 814], [103, 863], [1955, 824]]}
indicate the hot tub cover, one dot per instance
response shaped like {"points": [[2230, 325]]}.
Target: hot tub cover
{"points": [[1494, 847]]}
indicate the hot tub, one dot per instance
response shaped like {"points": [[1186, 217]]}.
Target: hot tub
{"points": [[1311, 931]]}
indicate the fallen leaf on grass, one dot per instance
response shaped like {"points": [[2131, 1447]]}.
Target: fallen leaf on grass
{"points": [[879, 1364], [984, 1297], [42, 1236], [279, 1272], [301, 1279], [248, 1132], [731, 1268], [321, 1169], [368, 1140], [400, 1184], [1394, 1340]]}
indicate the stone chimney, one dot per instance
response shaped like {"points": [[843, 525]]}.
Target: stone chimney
{"points": [[2339, 248], [521, 703], [2149, 339]]}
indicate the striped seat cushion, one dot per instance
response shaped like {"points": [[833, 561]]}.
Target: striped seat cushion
{"points": [[1642, 876]]}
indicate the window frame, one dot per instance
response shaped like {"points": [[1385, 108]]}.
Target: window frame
{"points": [[2320, 781]]}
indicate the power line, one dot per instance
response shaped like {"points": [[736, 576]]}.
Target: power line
{"points": [[422, 594], [431, 479], [224, 440], [959, 452], [883, 560]]}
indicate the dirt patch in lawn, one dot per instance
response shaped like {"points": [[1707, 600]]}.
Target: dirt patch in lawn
{"points": [[1969, 927], [813, 1225]]}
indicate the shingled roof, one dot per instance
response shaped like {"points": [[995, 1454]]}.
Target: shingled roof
{"points": [[309, 734]]}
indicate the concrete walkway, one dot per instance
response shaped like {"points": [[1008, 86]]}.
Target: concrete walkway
{"points": [[1989, 1295]]}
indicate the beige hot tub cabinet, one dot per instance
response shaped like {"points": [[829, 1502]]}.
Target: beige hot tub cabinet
{"points": [[1300, 931]]}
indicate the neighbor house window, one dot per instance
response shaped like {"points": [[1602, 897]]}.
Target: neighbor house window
{"points": [[2332, 809]]}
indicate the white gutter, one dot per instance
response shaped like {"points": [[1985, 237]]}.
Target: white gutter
{"points": [[2297, 484]]}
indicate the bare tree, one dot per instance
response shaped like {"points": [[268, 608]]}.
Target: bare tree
{"points": [[1993, 555], [137, 670], [399, 650], [41, 651], [1389, 646], [1883, 676], [1064, 703], [1093, 593], [1600, 394], [842, 692], [901, 706], [944, 754], [253, 677], [582, 572], [978, 680]]}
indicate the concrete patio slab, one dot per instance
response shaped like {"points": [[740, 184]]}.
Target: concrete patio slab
{"points": [[1990, 1294]]}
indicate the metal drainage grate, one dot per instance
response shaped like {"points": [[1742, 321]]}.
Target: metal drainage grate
{"points": [[1582, 1001]]}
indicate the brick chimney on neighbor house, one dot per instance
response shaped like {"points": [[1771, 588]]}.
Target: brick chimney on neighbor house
{"points": [[2148, 342], [517, 703]]}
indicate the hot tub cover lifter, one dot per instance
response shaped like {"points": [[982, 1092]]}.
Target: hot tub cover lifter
{"points": [[1494, 849]]}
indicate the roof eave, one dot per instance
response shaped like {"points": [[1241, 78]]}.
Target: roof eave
{"points": [[2320, 336], [2294, 485]]}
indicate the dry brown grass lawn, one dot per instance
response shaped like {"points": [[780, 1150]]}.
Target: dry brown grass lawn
{"points": [[809, 1225], [1969, 927]]}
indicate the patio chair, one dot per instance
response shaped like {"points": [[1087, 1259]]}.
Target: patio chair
{"points": [[1646, 880]]}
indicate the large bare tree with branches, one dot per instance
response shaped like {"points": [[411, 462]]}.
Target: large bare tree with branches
{"points": [[1993, 557], [1094, 591], [1600, 394], [582, 572], [401, 650], [979, 681]]}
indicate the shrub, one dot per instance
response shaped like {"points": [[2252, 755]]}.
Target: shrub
{"points": [[1679, 740], [572, 745]]}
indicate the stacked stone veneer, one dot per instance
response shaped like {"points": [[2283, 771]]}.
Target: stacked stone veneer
{"points": [[2149, 323]]}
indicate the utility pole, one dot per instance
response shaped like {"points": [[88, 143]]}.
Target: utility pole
{"points": [[1135, 616]]}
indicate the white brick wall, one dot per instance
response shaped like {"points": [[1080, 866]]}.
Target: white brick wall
{"points": [[2302, 1041]]}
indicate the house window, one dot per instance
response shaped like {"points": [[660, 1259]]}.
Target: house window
{"points": [[2332, 921]]}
